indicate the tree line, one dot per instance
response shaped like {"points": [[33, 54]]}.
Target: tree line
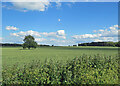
{"points": [[10, 45], [113, 44], [19, 45], [29, 42]]}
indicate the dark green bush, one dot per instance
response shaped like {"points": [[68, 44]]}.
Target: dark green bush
{"points": [[83, 70]]}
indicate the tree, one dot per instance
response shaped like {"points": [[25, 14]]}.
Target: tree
{"points": [[29, 42], [118, 44]]}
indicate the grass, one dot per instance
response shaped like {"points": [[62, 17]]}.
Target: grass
{"points": [[13, 55]]}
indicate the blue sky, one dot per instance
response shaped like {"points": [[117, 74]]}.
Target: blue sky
{"points": [[64, 23]]}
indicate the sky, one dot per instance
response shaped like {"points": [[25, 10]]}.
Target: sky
{"points": [[60, 23]]}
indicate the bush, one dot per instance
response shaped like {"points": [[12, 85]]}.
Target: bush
{"points": [[83, 70]]}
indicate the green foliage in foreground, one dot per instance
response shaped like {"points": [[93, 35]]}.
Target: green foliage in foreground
{"points": [[83, 70]]}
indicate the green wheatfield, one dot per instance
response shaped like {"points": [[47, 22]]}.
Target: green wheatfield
{"points": [[13, 55], [61, 65]]}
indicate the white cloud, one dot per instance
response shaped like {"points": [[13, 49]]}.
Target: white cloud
{"points": [[40, 39], [14, 34], [112, 28], [110, 34], [62, 37], [101, 30], [105, 39], [61, 32], [30, 32], [27, 5], [86, 36], [34, 6], [58, 34], [11, 28], [116, 26], [51, 34]]}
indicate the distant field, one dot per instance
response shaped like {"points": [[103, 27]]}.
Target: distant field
{"points": [[13, 55]]}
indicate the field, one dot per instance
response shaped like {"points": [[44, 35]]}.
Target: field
{"points": [[14, 55], [67, 56]]}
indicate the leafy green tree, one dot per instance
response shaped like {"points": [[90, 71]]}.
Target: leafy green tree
{"points": [[29, 42]]}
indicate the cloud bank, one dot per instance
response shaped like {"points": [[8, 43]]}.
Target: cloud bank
{"points": [[109, 34], [59, 37], [59, 34]]}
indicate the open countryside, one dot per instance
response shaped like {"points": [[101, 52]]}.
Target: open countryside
{"points": [[61, 65], [59, 43]]}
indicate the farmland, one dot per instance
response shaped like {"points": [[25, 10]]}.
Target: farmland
{"points": [[17, 55], [60, 65]]}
